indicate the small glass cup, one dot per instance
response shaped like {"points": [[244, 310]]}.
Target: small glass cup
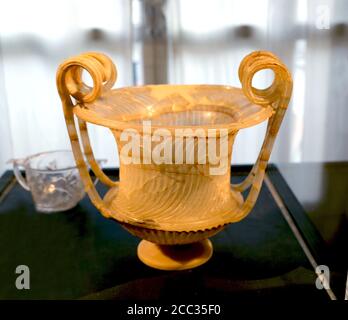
{"points": [[52, 178]]}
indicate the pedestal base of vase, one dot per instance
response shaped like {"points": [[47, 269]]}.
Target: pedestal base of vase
{"points": [[175, 257]]}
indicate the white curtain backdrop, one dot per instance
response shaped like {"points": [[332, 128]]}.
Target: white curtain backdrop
{"points": [[35, 36], [210, 38], [202, 41]]}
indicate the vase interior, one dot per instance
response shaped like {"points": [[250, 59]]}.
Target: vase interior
{"points": [[174, 106]]}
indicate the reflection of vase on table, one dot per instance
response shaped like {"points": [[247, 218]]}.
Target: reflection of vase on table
{"points": [[176, 202]]}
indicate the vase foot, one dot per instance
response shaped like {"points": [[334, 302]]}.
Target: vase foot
{"points": [[175, 257]]}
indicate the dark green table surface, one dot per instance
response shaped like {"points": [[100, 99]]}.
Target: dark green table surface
{"points": [[322, 191], [80, 254]]}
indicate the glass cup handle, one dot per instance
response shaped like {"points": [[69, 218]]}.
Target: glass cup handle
{"points": [[17, 164]]}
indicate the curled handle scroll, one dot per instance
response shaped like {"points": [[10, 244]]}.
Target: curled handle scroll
{"points": [[69, 83], [277, 95]]}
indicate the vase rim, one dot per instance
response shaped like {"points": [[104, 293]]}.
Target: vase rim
{"points": [[174, 107]]}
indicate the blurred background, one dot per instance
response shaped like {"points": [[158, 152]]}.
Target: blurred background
{"points": [[190, 42], [176, 41]]}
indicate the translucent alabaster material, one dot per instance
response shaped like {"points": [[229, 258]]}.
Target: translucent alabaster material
{"points": [[174, 106], [177, 202]]}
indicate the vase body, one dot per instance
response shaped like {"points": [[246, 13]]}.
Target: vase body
{"points": [[175, 145]]}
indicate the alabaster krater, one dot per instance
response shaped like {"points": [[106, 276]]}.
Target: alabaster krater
{"points": [[175, 144]]}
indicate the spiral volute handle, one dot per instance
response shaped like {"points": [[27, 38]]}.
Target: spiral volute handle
{"points": [[99, 66], [278, 91]]}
